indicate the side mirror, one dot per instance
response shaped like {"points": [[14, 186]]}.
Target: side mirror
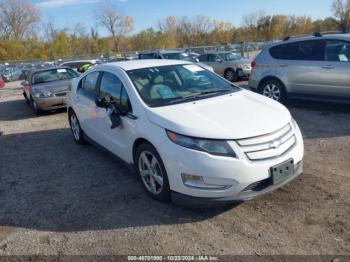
{"points": [[102, 102]]}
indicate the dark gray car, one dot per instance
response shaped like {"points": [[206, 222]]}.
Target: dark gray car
{"points": [[47, 89], [315, 67]]}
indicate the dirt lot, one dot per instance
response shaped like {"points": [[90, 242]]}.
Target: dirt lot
{"points": [[60, 198]]}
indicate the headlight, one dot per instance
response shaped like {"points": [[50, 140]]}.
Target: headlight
{"points": [[43, 94], [210, 146]]}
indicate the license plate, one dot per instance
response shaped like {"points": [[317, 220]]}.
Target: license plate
{"points": [[282, 171]]}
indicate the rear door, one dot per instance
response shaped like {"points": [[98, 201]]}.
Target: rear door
{"points": [[335, 76], [302, 67]]}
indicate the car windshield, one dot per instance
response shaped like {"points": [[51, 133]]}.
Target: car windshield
{"points": [[230, 56], [53, 75], [166, 85]]}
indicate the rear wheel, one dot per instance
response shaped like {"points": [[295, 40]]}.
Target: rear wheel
{"points": [[152, 172], [231, 75], [273, 89]]}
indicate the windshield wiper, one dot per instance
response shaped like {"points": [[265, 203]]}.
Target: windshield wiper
{"points": [[201, 94]]}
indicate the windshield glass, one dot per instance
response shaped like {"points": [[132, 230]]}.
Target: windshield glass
{"points": [[53, 75], [230, 56], [165, 85]]}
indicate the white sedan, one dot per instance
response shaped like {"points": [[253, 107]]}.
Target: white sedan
{"points": [[191, 136]]}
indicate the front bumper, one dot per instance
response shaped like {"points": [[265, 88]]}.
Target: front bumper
{"points": [[244, 72], [51, 103], [239, 173], [191, 201]]}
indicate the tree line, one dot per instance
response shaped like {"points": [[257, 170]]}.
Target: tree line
{"points": [[24, 35]]}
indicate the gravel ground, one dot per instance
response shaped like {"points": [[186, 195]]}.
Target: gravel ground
{"points": [[60, 198]]}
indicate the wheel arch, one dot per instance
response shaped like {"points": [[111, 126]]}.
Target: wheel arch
{"points": [[137, 143], [261, 82]]}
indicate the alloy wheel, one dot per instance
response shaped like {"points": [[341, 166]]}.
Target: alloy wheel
{"points": [[229, 75], [75, 127], [272, 91], [151, 172]]}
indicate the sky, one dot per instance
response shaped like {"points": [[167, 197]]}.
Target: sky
{"points": [[147, 13]]}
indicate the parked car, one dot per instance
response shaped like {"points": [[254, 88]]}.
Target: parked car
{"points": [[315, 67], [191, 136], [173, 55], [227, 64], [11, 74], [47, 89], [75, 65]]}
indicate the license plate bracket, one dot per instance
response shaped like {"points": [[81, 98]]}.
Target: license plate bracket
{"points": [[282, 172]]}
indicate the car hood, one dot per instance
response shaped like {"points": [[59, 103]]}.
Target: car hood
{"points": [[55, 86], [240, 115]]}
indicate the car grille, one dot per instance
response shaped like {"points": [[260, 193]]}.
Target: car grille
{"points": [[61, 94], [269, 146], [258, 186]]}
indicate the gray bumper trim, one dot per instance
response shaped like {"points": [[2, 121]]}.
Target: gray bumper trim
{"points": [[191, 201]]}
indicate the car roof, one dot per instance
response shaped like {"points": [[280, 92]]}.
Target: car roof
{"points": [[80, 61], [171, 52], [305, 38], [139, 64], [217, 52]]}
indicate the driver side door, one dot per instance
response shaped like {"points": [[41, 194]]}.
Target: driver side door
{"points": [[117, 140]]}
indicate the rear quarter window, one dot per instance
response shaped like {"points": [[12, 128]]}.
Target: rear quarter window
{"points": [[278, 52]]}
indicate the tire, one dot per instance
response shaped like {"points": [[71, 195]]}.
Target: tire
{"points": [[26, 98], [273, 89], [231, 75], [150, 168], [35, 107], [77, 132]]}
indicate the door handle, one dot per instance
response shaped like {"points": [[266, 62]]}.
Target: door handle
{"points": [[283, 65], [328, 67]]}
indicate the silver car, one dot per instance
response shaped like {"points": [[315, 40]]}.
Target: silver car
{"points": [[47, 89], [315, 67], [227, 64]]}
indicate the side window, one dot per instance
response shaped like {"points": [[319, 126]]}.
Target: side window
{"points": [[306, 50], [278, 52], [203, 58], [214, 58], [147, 56], [89, 83], [337, 51], [112, 86]]}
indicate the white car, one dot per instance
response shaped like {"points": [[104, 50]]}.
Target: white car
{"points": [[191, 136]]}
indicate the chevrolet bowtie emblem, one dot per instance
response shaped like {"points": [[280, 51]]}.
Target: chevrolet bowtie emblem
{"points": [[276, 144]]}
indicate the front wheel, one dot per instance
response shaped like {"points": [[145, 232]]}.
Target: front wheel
{"points": [[273, 89], [76, 129], [152, 172], [231, 75], [35, 107]]}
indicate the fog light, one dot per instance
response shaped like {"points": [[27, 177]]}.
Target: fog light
{"points": [[200, 183]]}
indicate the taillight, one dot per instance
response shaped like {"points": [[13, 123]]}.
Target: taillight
{"points": [[253, 64]]}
